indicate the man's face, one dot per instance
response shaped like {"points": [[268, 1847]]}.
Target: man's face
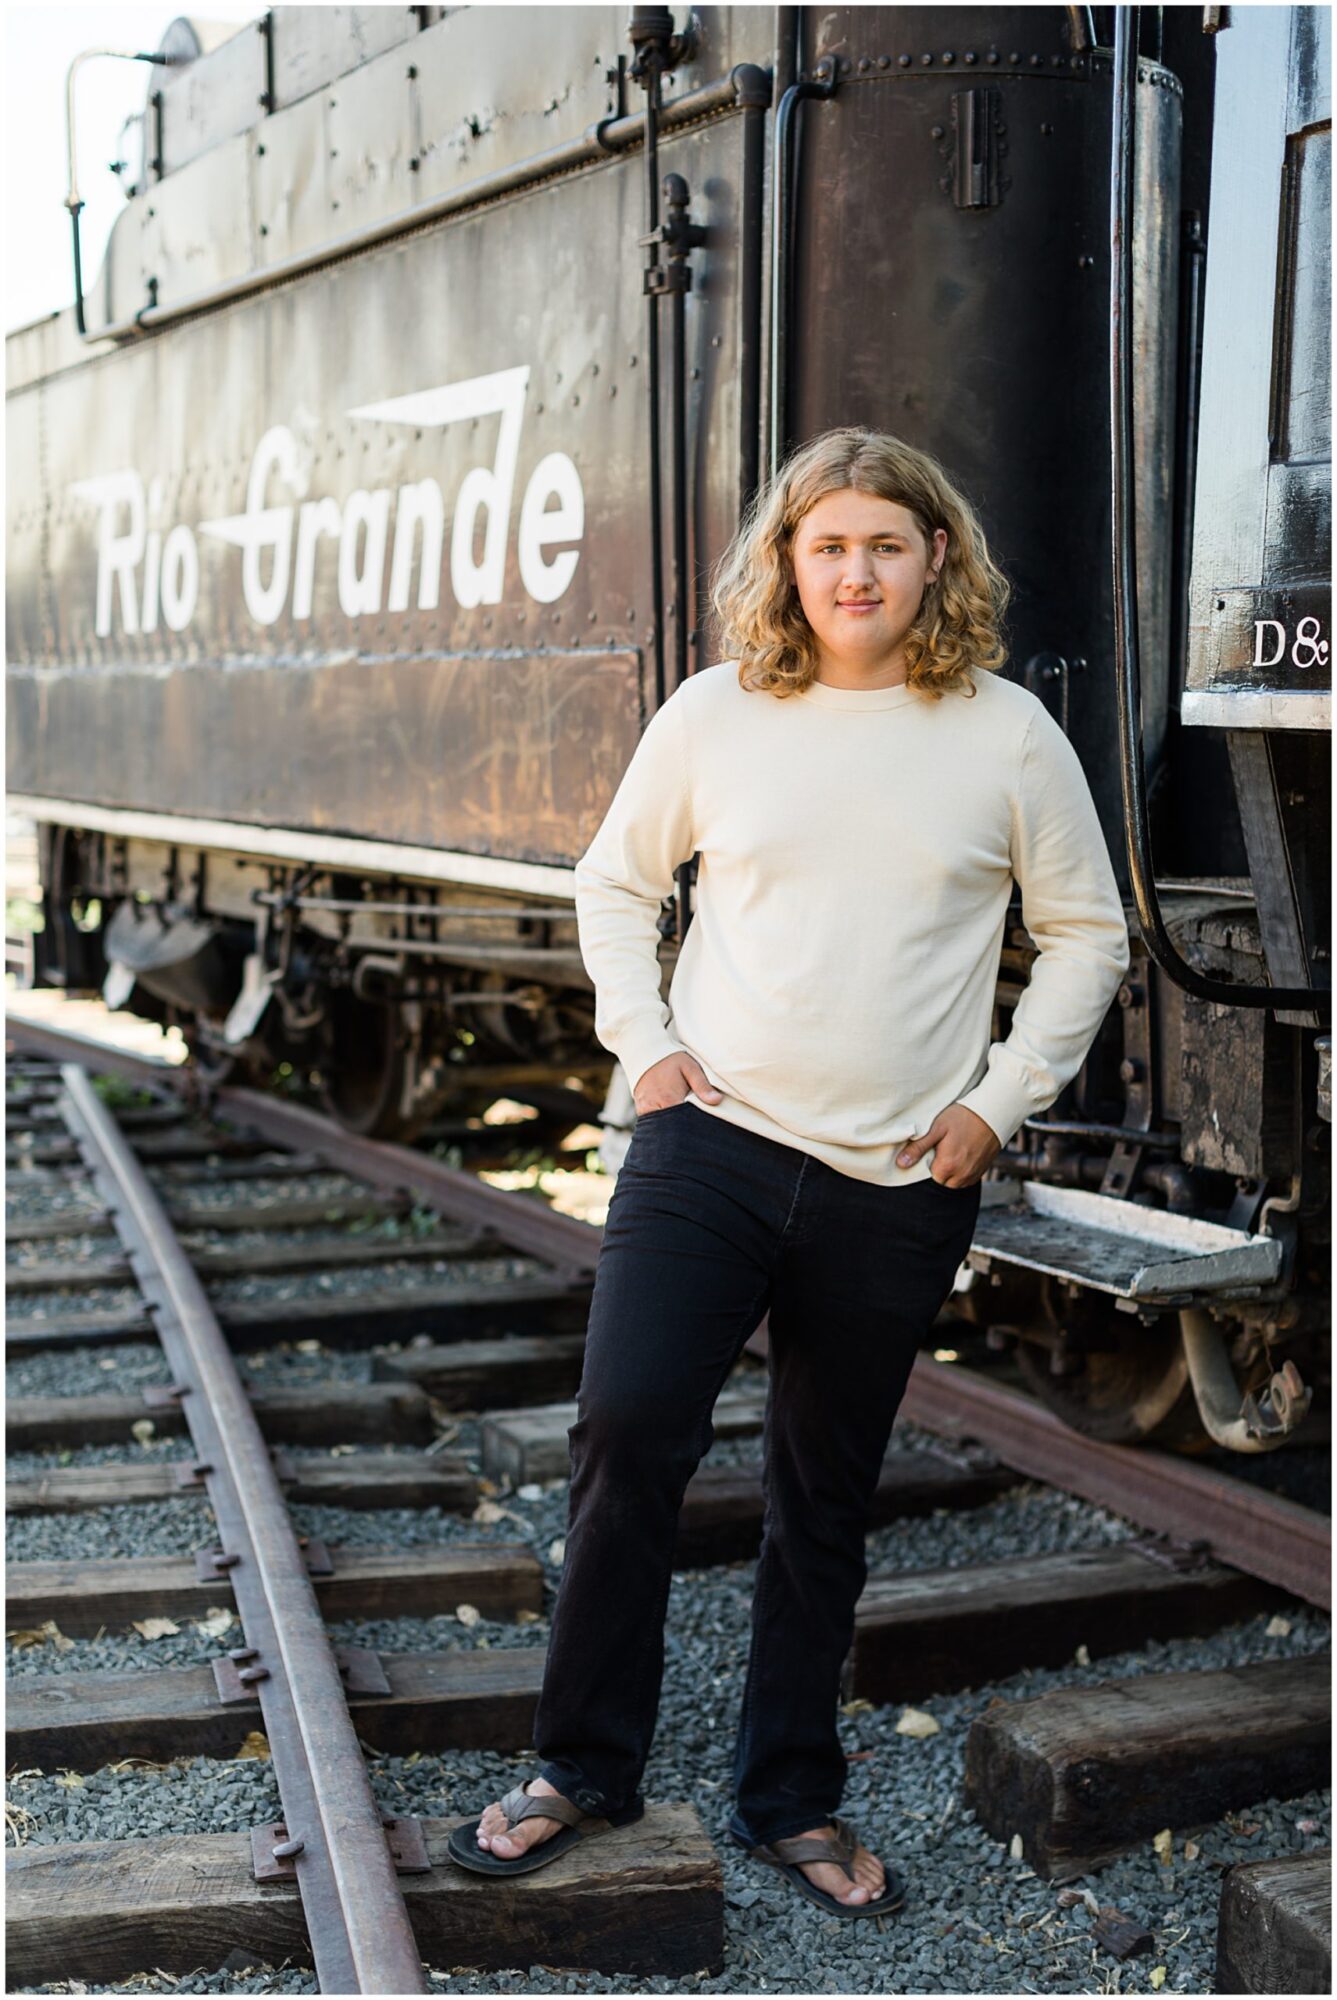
{"points": [[860, 565]]}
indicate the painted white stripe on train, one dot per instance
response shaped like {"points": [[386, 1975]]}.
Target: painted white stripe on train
{"points": [[370, 857]]}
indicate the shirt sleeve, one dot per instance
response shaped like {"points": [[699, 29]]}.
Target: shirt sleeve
{"points": [[1071, 907], [622, 880]]}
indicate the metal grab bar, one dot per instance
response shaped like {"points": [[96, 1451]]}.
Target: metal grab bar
{"points": [[1128, 677]]}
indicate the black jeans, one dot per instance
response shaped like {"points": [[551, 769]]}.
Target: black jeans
{"points": [[708, 1226]]}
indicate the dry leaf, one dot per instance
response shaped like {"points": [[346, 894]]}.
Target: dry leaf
{"points": [[1278, 1627], [256, 1746], [557, 1550], [1191, 1850], [1164, 1846], [1156, 1978], [46, 1634], [155, 1628], [488, 1511], [143, 1431], [71, 1781], [468, 1614], [342, 1450], [107, 1362], [1014, 1847], [914, 1722], [1082, 1657], [530, 1491], [535, 1618], [859, 1707], [308, 1347], [216, 1622]]}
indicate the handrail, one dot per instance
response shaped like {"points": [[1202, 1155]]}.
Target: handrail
{"points": [[74, 200], [1127, 665]]}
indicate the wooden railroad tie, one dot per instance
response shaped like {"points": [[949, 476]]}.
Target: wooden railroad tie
{"points": [[647, 1900], [924, 1632], [1084, 1774], [334, 1413], [452, 1309], [498, 1578], [1274, 1927], [361, 1479], [262, 1260], [485, 1374], [529, 1445], [722, 1511], [480, 1700]]}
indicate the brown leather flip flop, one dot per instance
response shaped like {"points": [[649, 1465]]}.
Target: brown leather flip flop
{"points": [[787, 1854], [517, 1805]]}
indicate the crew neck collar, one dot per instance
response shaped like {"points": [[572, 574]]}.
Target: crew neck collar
{"points": [[859, 698]]}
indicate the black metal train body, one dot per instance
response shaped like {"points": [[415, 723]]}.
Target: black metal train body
{"points": [[363, 511]]}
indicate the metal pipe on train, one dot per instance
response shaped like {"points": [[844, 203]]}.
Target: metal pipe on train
{"points": [[338, 546]]}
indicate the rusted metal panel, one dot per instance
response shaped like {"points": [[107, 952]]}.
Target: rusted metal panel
{"points": [[482, 753], [251, 532], [315, 46], [372, 118], [989, 324]]}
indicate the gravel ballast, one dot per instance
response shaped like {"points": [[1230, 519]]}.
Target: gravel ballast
{"points": [[977, 1920]]}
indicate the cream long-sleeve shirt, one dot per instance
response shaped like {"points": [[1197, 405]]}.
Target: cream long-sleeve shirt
{"points": [[858, 848]]}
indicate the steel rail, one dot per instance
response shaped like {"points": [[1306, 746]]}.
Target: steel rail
{"points": [[359, 1929], [571, 1245], [565, 1241], [1250, 1529]]}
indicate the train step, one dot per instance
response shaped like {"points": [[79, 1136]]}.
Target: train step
{"points": [[1134, 1252]]}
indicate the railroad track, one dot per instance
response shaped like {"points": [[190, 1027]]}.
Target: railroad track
{"points": [[1069, 1780]]}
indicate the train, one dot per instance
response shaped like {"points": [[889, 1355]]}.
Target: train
{"points": [[363, 507]]}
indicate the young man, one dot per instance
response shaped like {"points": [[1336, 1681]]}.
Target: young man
{"points": [[816, 1108]]}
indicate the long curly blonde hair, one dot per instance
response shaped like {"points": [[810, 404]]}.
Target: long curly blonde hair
{"points": [[756, 599]]}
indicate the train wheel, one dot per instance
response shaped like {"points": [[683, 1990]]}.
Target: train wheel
{"points": [[1127, 1393], [363, 1068]]}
